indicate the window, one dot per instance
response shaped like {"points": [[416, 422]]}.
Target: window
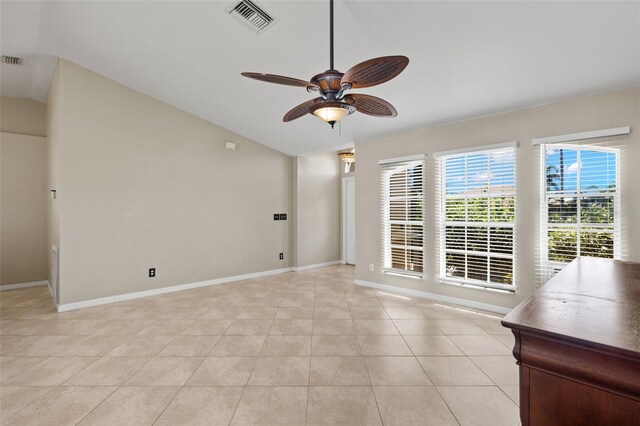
{"points": [[477, 203], [581, 204], [582, 187], [402, 216]]}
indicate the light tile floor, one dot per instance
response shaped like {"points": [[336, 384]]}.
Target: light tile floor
{"points": [[297, 348]]}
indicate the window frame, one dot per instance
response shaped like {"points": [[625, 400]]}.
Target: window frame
{"points": [[553, 266], [443, 223], [404, 163]]}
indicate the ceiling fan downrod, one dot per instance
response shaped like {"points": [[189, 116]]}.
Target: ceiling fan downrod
{"points": [[331, 35]]}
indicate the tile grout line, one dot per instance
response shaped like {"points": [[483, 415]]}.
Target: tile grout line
{"points": [[99, 359], [123, 385], [366, 366], [251, 374], [494, 382], [469, 357], [427, 374], [97, 405], [483, 372], [306, 414], [180, 388], [29, 404], [24, 371]]}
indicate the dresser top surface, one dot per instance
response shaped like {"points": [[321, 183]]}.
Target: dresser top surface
{"points": [[592, 301]]}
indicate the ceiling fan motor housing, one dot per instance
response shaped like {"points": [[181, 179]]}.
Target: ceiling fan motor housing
{"points": [[329, 81]]}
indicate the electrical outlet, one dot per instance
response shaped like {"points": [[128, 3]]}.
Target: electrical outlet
{"points": [[152, 272], [281, 256], [371, 266], [276, 216], [283, 216]]}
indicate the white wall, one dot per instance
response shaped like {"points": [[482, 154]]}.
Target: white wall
{"points": [[597, 112], [317, 211], [142, 184]]}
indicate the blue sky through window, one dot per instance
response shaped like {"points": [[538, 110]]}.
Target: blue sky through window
{"points": [[597, 170], [472, 172], [475, 171]]}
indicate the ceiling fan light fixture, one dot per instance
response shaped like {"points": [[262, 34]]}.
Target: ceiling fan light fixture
{"points": [[333, 112]]}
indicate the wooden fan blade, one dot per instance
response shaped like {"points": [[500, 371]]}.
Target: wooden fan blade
{"points": [[375, 71], [278, 79], [371, 105], [299, 111]]}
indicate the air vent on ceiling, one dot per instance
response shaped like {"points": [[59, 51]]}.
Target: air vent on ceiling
{"points": [[252, 16], [12, 60]]}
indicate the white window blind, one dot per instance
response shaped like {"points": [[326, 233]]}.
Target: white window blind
{"points": [[476, 213], [581, 203], [403, 217]]}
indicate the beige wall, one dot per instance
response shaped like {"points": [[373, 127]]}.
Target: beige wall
{"points": [[23, 192], [23, 256], [23, 116], [598, 112], [317, 211], [142, 184]]}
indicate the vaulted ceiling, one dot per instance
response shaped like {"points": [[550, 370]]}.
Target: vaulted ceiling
{"points": [[468, 59]]}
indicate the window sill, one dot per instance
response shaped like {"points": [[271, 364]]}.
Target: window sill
{"points": [[473, 286], [404, 274]]}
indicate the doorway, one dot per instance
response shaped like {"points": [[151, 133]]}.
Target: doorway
{"points": [[349, 220]]}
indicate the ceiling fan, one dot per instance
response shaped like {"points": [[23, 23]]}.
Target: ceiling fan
{"points": [[334, 104]]}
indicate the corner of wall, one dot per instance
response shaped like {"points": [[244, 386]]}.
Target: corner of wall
{"points": [[53, 129], [294, 211]]}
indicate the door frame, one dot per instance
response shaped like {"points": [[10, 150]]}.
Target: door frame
{"points": [[343, 226]]}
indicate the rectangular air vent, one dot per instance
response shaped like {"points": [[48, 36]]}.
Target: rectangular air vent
{"points": [[12, 60], [252, 16]]}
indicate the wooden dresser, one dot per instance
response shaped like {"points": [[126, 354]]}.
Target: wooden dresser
{"points": [[578, 346]]}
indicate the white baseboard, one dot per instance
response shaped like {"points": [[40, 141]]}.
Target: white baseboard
{"points": [[438, 297], [164, 290], [23, 285], [316, 266]]}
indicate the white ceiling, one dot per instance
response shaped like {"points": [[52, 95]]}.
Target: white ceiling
{"points": [[468, 59]]}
